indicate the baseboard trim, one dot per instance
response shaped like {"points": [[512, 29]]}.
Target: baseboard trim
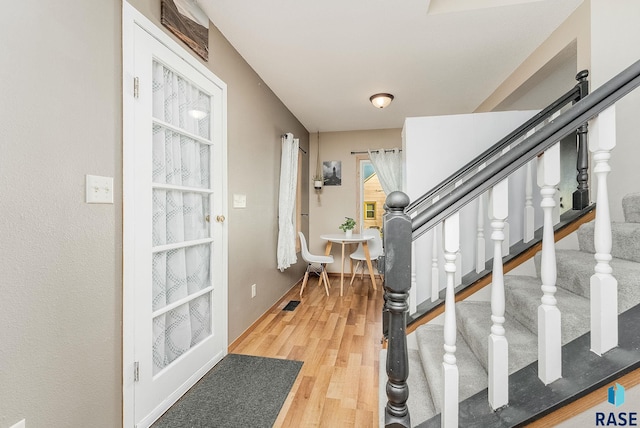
{"points": [[252, 327]]}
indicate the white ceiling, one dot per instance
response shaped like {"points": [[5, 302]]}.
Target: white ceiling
{"points": [[324, 59]]}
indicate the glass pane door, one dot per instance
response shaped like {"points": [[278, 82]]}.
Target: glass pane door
{"points": [[181, 233]]}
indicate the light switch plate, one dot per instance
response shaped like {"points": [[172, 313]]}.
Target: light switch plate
{"points": [[239, 201], [99, 189]]}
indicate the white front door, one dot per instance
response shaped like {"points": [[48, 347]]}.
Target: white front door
{"points": [[175, 243]]}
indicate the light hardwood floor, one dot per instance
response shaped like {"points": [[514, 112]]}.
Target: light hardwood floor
{"points": [[339, 341]]}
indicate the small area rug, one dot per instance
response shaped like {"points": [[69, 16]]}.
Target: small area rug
{"points": [[240, 391]]}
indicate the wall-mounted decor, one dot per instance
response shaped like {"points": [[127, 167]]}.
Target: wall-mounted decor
{"points": [[188, 22], [332, 173]]}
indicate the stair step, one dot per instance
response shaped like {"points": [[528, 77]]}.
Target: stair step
{"points": [[522, 295], [626, 240], [631, 207], [420, 404], [576, 267], [474, 324], [472, 376]]}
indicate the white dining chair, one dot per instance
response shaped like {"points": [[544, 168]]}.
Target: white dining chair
{"points": [[375, 251], [312, 262]]}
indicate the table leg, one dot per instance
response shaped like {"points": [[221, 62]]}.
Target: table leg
{"points": [[365, 247], [342, 271]]}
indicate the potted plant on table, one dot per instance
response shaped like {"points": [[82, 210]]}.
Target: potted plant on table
{"points": [[348, 226]]}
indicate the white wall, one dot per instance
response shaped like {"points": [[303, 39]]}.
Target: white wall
{"points": [[615, 35], [437, 146]]}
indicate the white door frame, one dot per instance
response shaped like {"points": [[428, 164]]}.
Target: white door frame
{"points": [[130, 19]]}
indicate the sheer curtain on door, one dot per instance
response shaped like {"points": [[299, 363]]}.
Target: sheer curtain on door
{"points": [[181, 159], [388, 167]]}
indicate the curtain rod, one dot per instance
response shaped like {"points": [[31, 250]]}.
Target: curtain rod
{"points": [[303, 150], [375, 151]]}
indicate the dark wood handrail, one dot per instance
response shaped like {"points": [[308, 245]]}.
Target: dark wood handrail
{"points": [[582, 111], [571, 96]]}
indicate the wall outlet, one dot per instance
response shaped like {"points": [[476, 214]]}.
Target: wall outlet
{"points": [[253, 291], [21, 424]]}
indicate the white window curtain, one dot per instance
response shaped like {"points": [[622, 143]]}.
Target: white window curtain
{"points": [[388, 167], [179, 216], [287, 204]]}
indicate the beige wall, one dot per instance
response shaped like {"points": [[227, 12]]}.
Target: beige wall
{"points": [[575, 30], [328, 209], [61, 269]]}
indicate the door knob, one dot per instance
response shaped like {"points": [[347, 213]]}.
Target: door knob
{"points": [[220, 219]]}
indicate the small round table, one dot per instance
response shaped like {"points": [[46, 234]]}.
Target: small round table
{"points": [[343, 239]]}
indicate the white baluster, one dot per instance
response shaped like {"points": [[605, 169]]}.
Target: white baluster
{"points": [[529, 213], [458, 277], [435, 267], [556, 196], [528, 205], [451, 237], [481, 256], [604, 286], [549, 333], [498, 346], [505, 243], [506, 231], [556, 208]]}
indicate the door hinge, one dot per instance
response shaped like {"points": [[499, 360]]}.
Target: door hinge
{"points": [[136, 87], [136, 371]]}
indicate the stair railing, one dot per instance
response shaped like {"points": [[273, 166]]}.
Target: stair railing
{"points": [[444, 203], [515, 137]]}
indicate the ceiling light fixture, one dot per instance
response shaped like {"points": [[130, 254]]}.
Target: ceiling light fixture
{"points": [[381, 100]]}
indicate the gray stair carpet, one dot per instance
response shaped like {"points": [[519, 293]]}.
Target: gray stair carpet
{"points": [[472, 376], [626, 240], [631, 208], [522, 295]]}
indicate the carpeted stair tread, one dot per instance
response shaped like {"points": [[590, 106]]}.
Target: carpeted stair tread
{"points": [[474, 324], [472, 376], [631, 207], [420, 404], [626, 240], [522, 295], [576, 267]]}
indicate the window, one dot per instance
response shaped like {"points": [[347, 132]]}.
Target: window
{"points": [[370, 210]]}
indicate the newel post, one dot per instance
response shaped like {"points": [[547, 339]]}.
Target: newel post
{"points": [[397, 282]]}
